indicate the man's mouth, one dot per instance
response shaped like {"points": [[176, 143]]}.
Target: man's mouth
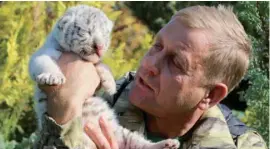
{"points": [[144, 84]]}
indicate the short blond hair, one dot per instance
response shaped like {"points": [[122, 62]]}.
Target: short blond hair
{"points": [[230, 47]]}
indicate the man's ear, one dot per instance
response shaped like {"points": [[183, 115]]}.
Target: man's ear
{"points": [[213, 96]]}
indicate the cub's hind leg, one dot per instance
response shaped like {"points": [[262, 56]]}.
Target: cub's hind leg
{"points": [[133, 140], [106, 77]]}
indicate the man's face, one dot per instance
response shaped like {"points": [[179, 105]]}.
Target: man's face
{"points": [[169, 79]]}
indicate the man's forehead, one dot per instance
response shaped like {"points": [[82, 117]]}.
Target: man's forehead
{"points": [[187, 44], [177, 35]]}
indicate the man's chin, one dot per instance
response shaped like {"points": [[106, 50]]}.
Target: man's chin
{"points": [[145, 104], [133, 97], [139, 98]]}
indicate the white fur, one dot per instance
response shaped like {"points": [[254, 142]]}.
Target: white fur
{"points": [[43, 67]]}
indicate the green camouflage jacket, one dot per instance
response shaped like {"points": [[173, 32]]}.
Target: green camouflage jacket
{"points": [[211, 131]]}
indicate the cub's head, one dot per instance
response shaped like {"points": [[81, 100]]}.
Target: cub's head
{"points": [[85, 31]]}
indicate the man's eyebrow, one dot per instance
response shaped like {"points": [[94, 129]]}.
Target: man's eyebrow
{"points": [[180, 46]]}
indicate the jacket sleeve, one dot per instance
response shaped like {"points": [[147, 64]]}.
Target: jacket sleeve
{"points": [[55, 136]]}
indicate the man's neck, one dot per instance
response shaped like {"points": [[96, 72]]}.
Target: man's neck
{"points": [[171, 127]]}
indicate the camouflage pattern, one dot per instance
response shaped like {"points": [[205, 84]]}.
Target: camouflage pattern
{"points": [[54, 136], [211, 131]]}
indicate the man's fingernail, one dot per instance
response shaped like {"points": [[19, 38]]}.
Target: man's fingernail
{"points": [[87, 126]]}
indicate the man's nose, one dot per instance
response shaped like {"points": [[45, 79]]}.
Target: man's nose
{"points": [[151, 64]]}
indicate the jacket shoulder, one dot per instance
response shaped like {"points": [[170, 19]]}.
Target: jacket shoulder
{"points": [[251, 140]]}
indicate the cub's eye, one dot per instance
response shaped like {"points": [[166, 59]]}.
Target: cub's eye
{"points": [[95, 46], [83, 52]]}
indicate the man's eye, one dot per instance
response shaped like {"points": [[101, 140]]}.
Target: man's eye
{"points": [[158, 47], [177, 64]]}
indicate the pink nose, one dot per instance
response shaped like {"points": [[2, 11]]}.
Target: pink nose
{"points": [[99, 49]]}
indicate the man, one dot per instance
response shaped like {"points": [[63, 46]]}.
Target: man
{"points": [[195, 61]]}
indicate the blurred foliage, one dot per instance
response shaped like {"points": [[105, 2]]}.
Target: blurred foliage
{"points": [[26, 143], [25, 25], [16, 43], [255, 18], [130, 40]]}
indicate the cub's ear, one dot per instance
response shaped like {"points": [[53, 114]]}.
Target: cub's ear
{"points": [[68, 17], [64, 20]]}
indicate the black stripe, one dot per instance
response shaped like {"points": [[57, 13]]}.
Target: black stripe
{"points": [[122, 87], [42, 99]]}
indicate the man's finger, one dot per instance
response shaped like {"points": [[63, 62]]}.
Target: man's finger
{"points": [[107, 130], [49, 88], [97, 136]]}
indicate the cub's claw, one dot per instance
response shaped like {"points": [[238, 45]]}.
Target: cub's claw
{"points": [[171, 144], [50, 79], [166, 144]]}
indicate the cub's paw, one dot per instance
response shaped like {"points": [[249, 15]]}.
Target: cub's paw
{"points": [[106, 78], [109, 85], [50, 79], [167, 144], [171, 144]]}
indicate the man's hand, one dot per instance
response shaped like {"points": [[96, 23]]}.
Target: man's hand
{"points": [[103, 136], [65, 101]]}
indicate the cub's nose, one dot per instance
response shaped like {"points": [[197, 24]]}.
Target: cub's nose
{"points": [[99, 49]]}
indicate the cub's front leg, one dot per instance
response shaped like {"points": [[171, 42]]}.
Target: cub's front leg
{"points": [[106, 78], [44, 69]]}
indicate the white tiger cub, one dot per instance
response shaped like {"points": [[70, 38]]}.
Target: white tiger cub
{"points": [[85, 31]]}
